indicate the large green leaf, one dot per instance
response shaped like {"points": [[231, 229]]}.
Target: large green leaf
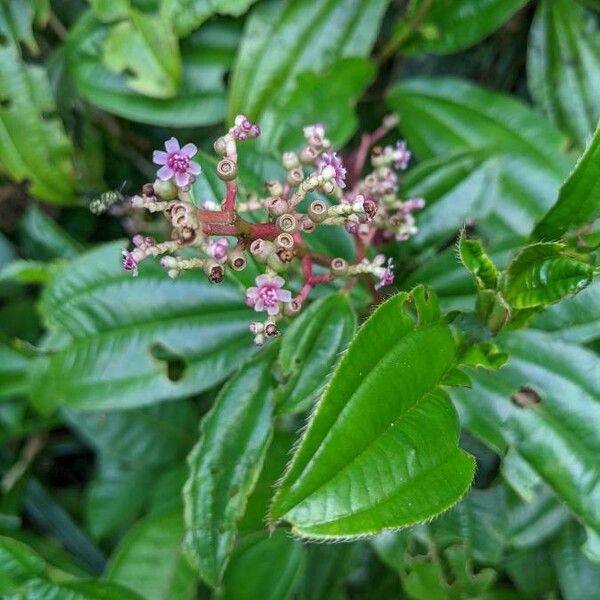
{"points": [[579, 197], [284, 38], [266, 567], [17, 18], [187, 15], [327, 98], [452, 25], [13, 371], [33, 143], [381, 449], [575, 319], [225, 464], [133, 448], [520, 154], [543, 274], [130, 341], [206, 56], [310, 349], [149, 560], [25, 575], [563, 67], [557, 437], [145, 47]]}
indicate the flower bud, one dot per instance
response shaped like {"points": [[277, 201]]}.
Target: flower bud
{"points": [[277, 206], [295, 176], [317, 211], [214, 271], [327, 187], [271, 329], [274, 188], [308, 155], [148, 189], [220, 146], [166, 190], [290, 161], [262, 249], [307, 225], [226, 169], [237, 260], [287, 223], [292, 308], [339, 267], [285, 241]]}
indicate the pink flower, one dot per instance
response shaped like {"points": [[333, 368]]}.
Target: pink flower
{"points": [[244, 128], [413, 204], [176, 163], [330, 165], [218, 248], [402, 155], [268, 294], [385, 274], [129, 262]]}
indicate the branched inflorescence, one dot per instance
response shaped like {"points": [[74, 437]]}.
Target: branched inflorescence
{"points": [[317, 192]]}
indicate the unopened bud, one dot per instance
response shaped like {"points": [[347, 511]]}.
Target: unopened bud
{"points": [[308, 155], [284, 240], [339, 267], [226, 169], [271, 329], [166, 190], [328, 187], [148, 189], [220, 146], [295, 176], [292, 308], [237, 260], [307, 225], [274, 188], [287, 223], [277, 206], [290, 161], [214, 271], [317, 211], [262, 249]]}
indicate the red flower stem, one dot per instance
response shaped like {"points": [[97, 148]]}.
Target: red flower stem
{"points": [[307, 268], [229, 202], [317, 279], [216, 216], [304, 292], [220, 229]]}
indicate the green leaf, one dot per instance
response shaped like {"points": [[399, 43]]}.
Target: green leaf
{"points": [[579, 197], [478, 263], [187, 15], [306, 37], [563, 67], [28, 271], [543, 274], [149, 560], [206, 57], [33, 143], [44, 238], [557, 437], [578, 577], [453, 25], [520, 154], [110, 10], [575, 318], [225, 464], [39, 589], [310, 349], [265, 567], [16, 20], [13, 371], [327, 98], [18, 564], [145, 47], [131, 341], [381, 449]]}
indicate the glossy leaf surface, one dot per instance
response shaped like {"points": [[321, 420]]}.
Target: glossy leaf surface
{"points": [[380, 451], [225, 464], [310, 349], [129, 341]]}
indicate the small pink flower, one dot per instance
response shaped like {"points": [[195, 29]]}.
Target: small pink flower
{"points": [[218, 248], [268, 294], [402, 155], [385, 274], [244, 129], [413, 204], [176, 162], [330, 164], [129, 262]]}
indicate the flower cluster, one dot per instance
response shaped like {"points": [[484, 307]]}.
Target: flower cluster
{"points": [[317, 190]]}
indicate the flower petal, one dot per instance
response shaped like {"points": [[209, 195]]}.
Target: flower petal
{"points": [[252, 293], [172, 145], [165, 173], [181, 179], [260, 305], [278, 281], [189, 150], [273, 310], [284, 295], [194, 168], [159, 157], [263, 280]]}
